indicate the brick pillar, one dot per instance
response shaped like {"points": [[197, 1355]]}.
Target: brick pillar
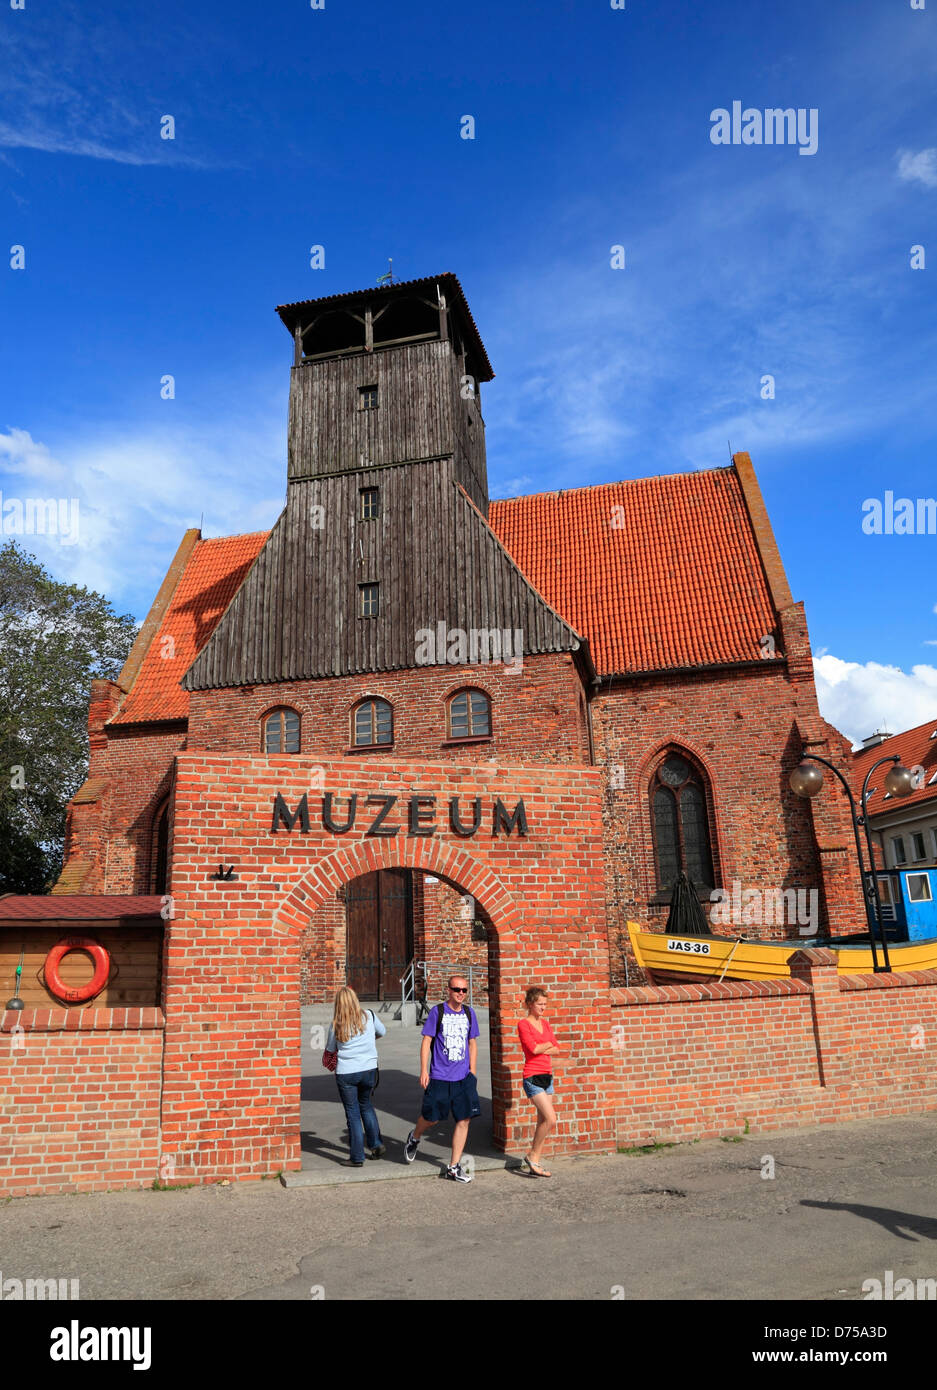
{"points": [[818, 968]]}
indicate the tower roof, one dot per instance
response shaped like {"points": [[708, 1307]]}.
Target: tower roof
{"points": [[303, 311]]}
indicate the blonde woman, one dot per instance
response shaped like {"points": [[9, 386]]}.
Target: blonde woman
{"points": [[539, 1044], [353, 1036]]}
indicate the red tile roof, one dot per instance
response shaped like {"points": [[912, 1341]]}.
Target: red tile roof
{"points": [[672, 578], [917, 748], [658, 573], [76, 907], [215, 572]]}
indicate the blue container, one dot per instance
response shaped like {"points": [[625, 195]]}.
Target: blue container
{"points": [[909, 902]]}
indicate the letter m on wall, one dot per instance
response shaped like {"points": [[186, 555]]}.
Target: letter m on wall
{"points": [[281, 812], [501, 819]]}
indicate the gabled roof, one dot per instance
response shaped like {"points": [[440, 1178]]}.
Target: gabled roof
{"points": [[676, 582], [917, 748], [214, 573], [658, 573]]}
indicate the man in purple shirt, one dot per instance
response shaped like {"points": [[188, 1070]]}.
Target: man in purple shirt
{"points": [[448, 1072]]}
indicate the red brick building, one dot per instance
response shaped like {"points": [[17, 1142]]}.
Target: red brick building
{"points": [[659, 640], [412, 723]]}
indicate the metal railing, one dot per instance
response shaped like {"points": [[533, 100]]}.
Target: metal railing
{"points": [[445, 968]]}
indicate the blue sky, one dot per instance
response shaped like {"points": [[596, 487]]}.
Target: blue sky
{"points": [[341, 127]]}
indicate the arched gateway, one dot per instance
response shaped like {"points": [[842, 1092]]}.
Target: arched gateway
{"points": [[256, 852]]}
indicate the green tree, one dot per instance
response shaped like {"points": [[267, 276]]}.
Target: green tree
{"points": [[55, 639]]}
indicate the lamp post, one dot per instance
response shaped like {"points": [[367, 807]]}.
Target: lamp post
{"points": [[807, 780]]}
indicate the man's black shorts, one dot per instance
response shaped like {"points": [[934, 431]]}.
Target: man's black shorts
{"points": [[459, 1097]]}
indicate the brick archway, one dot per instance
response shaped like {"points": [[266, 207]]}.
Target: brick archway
{"points": [[463, 871], [232, 966], [457, 866]]}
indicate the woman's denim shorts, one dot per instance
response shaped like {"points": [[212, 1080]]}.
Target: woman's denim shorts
{"points": [[531, 1090]]}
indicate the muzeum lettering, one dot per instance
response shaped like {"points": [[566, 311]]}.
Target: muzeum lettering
{"points": [[420, 815]]}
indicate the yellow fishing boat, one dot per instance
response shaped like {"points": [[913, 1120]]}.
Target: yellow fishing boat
{"points": [[666, 958]]}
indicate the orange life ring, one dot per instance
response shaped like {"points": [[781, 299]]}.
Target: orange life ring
{"points": [[102, 968]]}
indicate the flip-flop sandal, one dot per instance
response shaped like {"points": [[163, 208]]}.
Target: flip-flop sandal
{"points": [[536, 1169]]}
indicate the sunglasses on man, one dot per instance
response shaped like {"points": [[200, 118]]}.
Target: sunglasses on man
{"points": [[458, 989]]}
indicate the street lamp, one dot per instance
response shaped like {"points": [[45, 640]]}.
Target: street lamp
{"points": [[807, 780]]}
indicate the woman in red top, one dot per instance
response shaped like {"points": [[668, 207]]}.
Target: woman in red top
{"points": [[539, 1044]]}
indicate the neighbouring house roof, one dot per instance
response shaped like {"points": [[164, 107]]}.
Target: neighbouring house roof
{"points": [[76, 907], [656, 574], [917, 748]]}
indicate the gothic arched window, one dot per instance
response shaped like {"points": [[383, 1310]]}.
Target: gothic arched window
{"points": [[681, 823]]}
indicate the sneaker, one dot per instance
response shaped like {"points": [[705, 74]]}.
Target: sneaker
{"points": [[458, 1174], [379, 1152], [410, 1147]]}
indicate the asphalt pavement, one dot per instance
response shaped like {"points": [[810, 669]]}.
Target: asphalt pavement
{"points": [[846, 1204]]}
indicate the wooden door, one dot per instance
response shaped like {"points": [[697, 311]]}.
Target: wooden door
{"points": [[379, 932], [396, 929], [362, 939]]}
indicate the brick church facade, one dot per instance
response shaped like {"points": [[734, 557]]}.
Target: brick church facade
{"points": [[411, 724], [644, 628]]}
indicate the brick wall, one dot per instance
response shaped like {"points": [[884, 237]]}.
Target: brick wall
{"points": [[111, 839], [740, 727], [322, 952], [79, 1099], [537, 715], [451, 937], [701, 1061]]}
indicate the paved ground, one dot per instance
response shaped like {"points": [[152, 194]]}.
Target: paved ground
{"points": [[397, 1102], [847, 1203]]}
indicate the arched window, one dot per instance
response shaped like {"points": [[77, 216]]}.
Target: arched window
{"points": [[281, 731], [159, 853], [469, 715], [373, 723], [681, 823]]}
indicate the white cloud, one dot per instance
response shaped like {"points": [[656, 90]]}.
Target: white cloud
{"points": [[862, 698], [54, 142], [137, 491], [918, 168]]}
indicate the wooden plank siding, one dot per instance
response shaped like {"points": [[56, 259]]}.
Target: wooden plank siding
{"points": [[430, 550], [329, 433], [136, 961]]}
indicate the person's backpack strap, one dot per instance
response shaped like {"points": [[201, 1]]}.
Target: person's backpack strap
{"points": [[441, 1007]]}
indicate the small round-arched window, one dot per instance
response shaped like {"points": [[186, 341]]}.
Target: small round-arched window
{"points": [[681, 823], [469, 715], [281, 731], [373, 723]]}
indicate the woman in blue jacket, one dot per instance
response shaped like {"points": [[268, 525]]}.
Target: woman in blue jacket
{"points": [[353, 1036]]}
